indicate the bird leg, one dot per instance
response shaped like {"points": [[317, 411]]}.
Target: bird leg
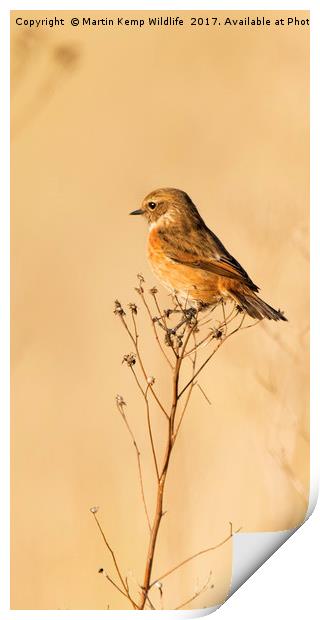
{"points": [[189, 315]]}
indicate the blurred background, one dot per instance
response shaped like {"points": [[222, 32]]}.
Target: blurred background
{"points": [[100, 117]]}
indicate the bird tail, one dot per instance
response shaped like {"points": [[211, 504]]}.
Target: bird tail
{"points": [[256, 307]]}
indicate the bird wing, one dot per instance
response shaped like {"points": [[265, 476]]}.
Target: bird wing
{"points": [[204, 250]]}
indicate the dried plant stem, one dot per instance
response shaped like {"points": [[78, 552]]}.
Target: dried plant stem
{"points": [[196, 594], [150, 603], [221, 341], [189, 324], [194, 362], [145, 398], [212, 335], [154, 326], [163, 476], [119, 590], [159, 502], [135, 343], [203, 393], [138, 454], [116, 565], [151, 434], [205, 341], [195, 555], [161, 314]]}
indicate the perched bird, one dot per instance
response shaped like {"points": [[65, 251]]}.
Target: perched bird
{"points": [[190, 260]]}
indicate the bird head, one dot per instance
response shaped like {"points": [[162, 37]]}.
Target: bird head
{"points": [[167, 205]]}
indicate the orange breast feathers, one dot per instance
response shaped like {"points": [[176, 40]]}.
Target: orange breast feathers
{"points": [[188, 281], [160, 263]]}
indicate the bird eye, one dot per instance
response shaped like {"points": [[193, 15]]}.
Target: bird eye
{"points": [[152, 205]]}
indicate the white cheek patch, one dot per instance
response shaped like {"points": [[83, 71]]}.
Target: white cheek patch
{"points": [[169, 217], [163, 220]]}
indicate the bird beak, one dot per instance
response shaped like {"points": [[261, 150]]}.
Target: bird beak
{"points": [[136, 212]]}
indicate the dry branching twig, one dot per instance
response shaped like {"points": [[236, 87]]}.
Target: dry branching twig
{"points": [[182, 332]]}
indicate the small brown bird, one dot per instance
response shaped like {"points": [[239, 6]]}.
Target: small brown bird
{"points": [[191, 261]]}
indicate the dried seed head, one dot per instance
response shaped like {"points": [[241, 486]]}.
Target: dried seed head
{"points": [[140, 289], [120, 400], [129, 359], [150, 380], [201, 306], [101, 570], [133, 308], [158, 584], [216, 333], [94, 509], [154, 290], [118, 309], [191, 316]]}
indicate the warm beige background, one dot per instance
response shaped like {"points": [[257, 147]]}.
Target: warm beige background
{"points": [[101, 117]]}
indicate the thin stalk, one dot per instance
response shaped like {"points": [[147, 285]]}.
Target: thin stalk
{"points": [[195, 555], [163, 476], [138, 454], [135, 343], [145, 398], [154, 328], [116, 565]]}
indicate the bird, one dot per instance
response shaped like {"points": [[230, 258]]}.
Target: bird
{"points": [[191, 261]]}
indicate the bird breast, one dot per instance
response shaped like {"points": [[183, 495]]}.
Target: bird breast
{"points": [[188, 281]]}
